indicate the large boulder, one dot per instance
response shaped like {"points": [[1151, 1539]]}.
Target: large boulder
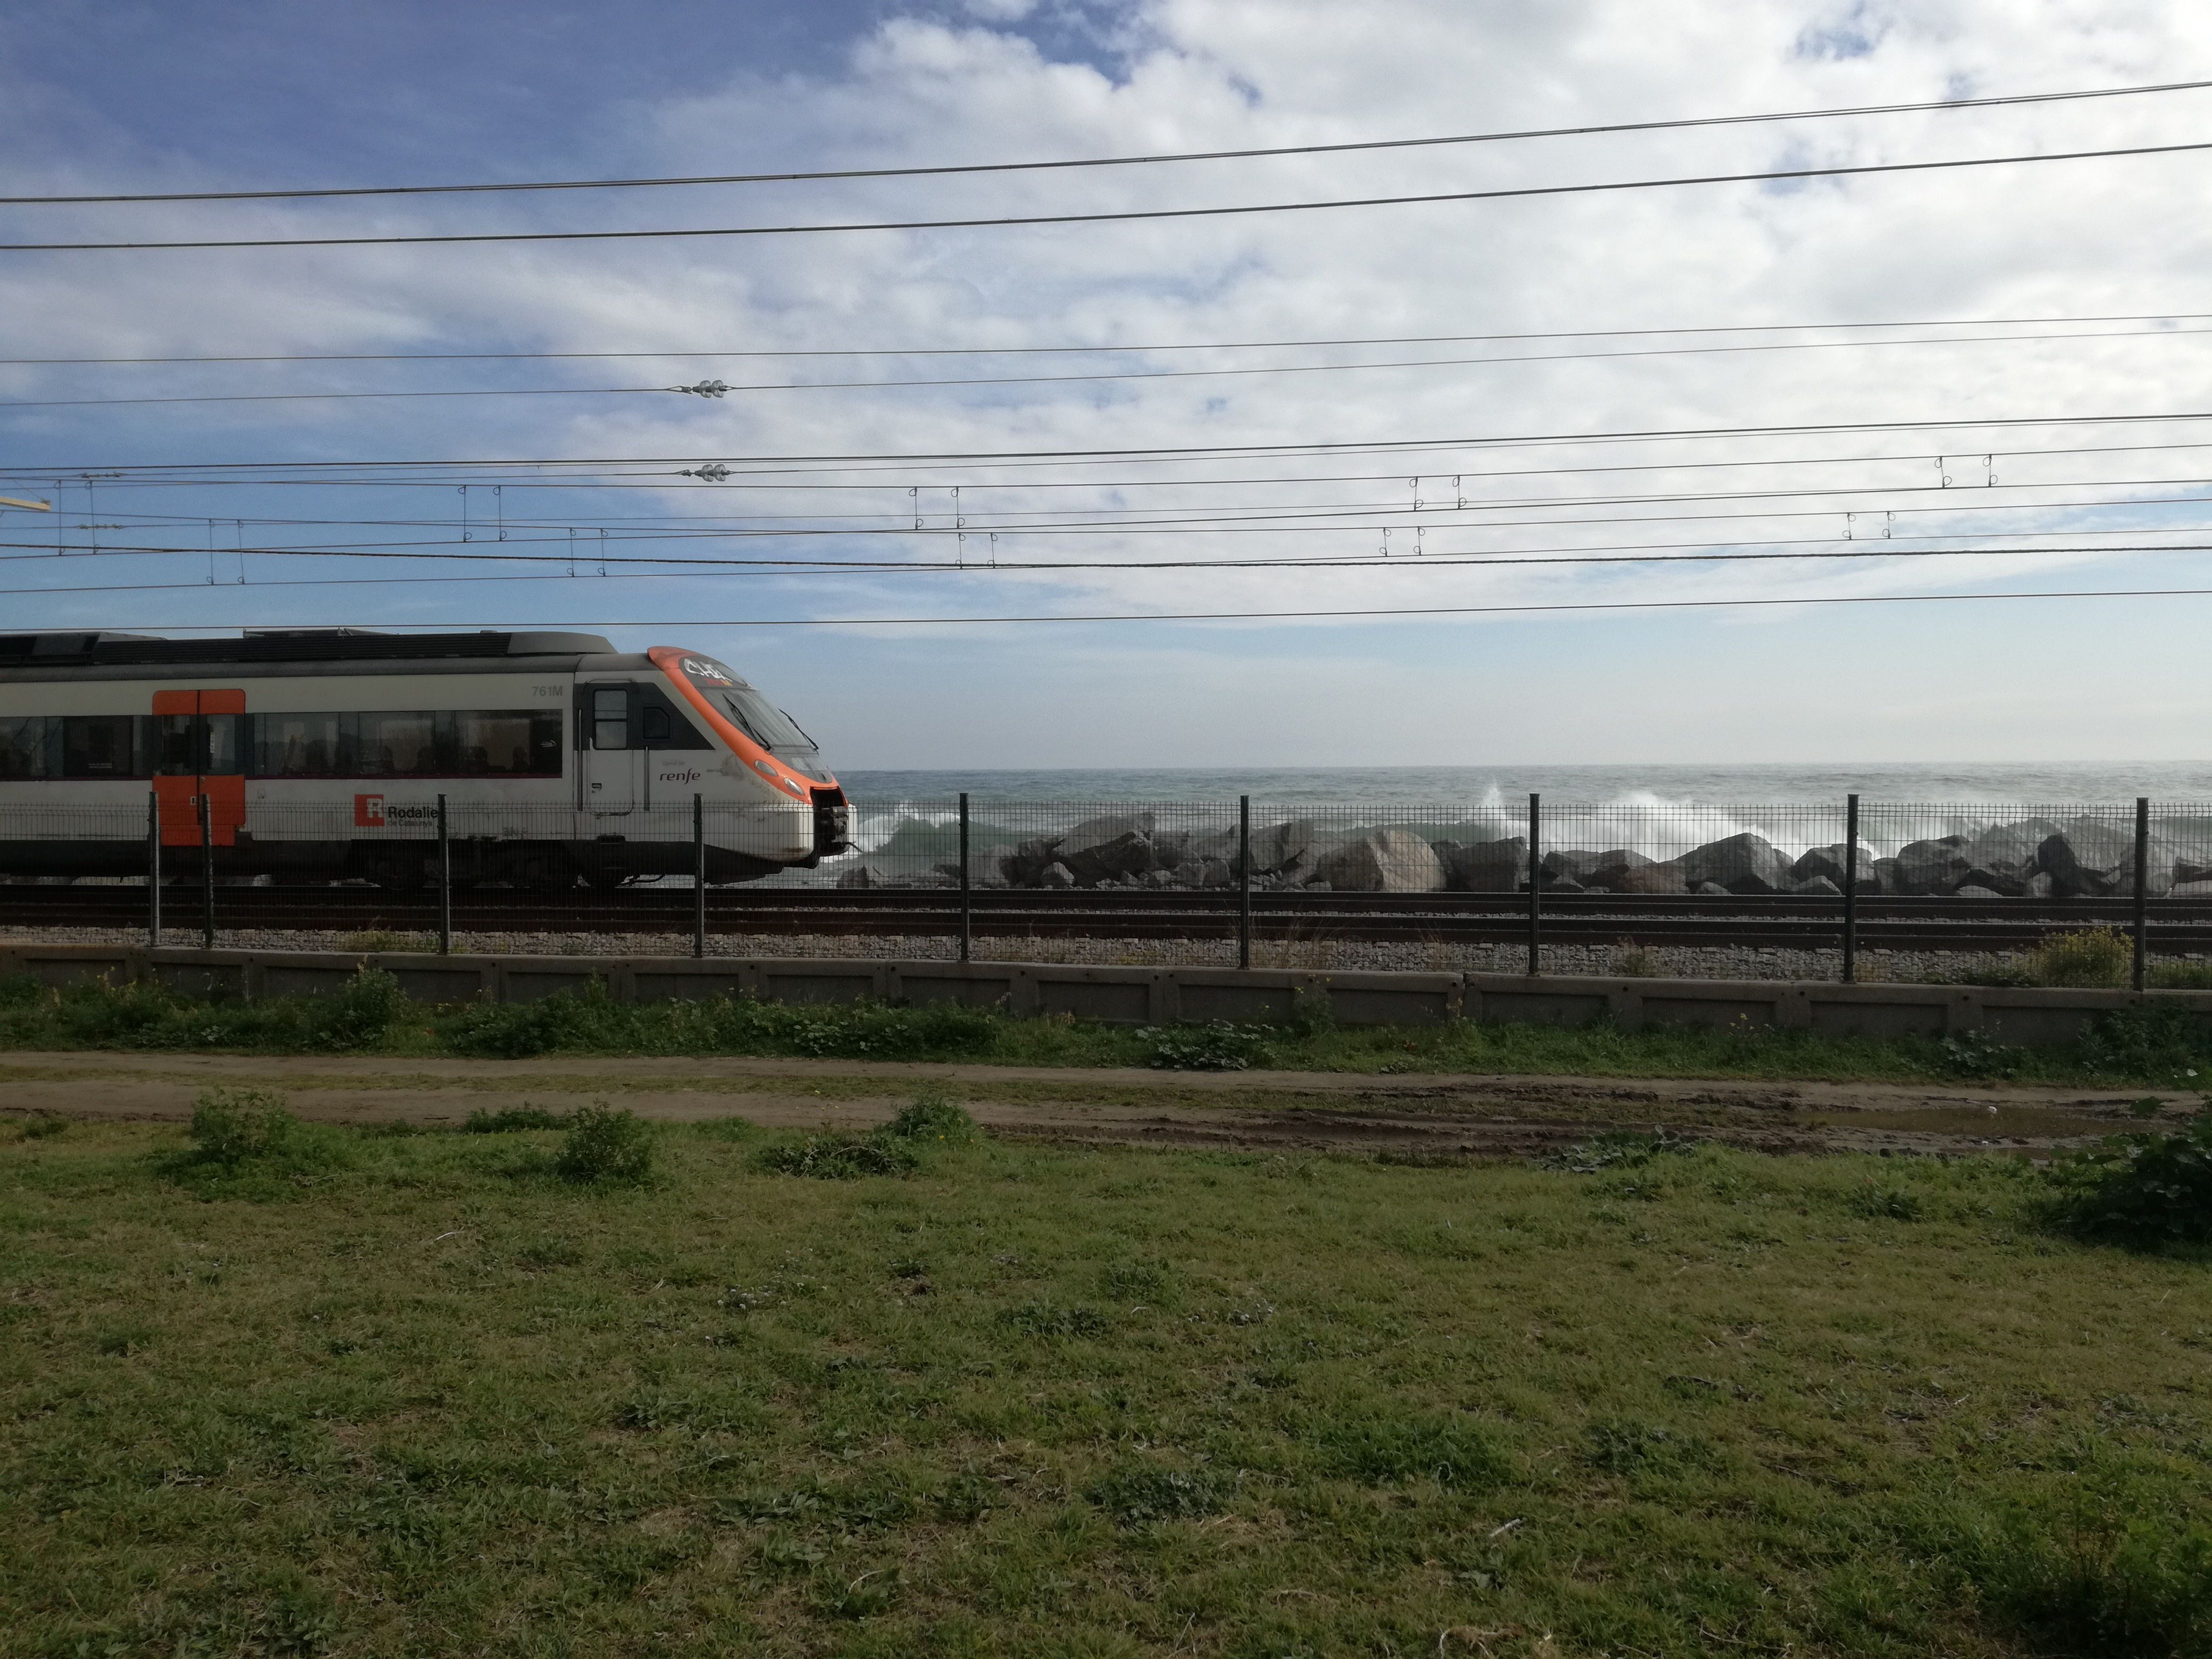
{"points": [[1386, 862], [2088, 859], [1280, 846], [1744, 863], [1828, 864], [1026, 865], [865, 876], [1485, 866], [1647, 878], [1935, 865], [1127, 854], [2014, 846], [1592, 869], [1275, 847], [1815, 887], [1997, 877]]}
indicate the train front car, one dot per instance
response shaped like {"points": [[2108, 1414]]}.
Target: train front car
{"points": [[647, 742]]}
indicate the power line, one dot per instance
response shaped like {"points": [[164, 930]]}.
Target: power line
{"points": [[1281, 521], [719, 389], [1261, 615], [738, 482], [1036, 350], [1410, 562], [755, 466], [1971, 497], [1945, 104], [1122, 216]]}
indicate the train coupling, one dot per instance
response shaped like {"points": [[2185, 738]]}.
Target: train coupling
{"points": [[833, 823]]}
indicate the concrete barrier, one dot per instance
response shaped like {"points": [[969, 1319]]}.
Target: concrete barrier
{"points": [[1131, 995]]}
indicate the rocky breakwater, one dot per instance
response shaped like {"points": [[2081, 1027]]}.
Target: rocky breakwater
{"points": [[2033, 859]]}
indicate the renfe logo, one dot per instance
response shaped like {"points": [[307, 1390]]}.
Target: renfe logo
{"points": [[689, 775], [368, 812]]}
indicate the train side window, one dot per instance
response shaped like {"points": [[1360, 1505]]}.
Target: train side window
{"points": [[655, 725], [170, 741], [611, 717], [399, 744], [300, 746], [98, 746], [29, 746], [507, 741]]}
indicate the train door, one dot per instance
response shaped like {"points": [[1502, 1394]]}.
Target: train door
{"points": [[611, 773], [199, 751]]}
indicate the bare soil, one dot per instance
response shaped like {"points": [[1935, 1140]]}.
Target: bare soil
{"points": [[1435, 1117]]}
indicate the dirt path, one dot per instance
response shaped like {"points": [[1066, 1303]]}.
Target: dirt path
{"points": [[1428, 1115]]}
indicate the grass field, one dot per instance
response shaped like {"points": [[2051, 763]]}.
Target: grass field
{"points": [[2163, 1047], [376, 1394]]}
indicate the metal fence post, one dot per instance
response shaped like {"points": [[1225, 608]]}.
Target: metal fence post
{"points": [[698, 876], [2142, 974], [1536, 885], [1244, 881], [1850, 890], [444, 883], [967, 893], [207, 872], [153, 870]]}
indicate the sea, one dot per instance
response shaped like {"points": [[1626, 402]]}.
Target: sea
{"points": [[907, 821], [2055, 783]]}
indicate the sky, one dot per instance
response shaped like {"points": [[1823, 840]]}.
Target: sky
{"points": [[183, 96]]}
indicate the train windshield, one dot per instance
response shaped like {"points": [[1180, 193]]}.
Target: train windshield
{"points": [[754, 714]]}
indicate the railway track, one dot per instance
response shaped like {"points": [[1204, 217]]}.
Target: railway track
{"points": [[2175, 927]]}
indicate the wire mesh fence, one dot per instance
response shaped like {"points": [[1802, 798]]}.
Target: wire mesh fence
{"points": [[545, 874]]}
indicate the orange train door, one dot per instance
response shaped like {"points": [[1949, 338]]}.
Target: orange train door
{"points": [[199, 749]]}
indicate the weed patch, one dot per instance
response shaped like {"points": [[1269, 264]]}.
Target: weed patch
{"points": [[1218, 1046], [932, 1117], [1621, 1149], [2101, 1583], [2143, 1190], [837, 1158], [2083, 955], [1138, 1494], [231, 1127], [605, 1148]]}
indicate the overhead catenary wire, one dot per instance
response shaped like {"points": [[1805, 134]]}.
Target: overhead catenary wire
{"points": [[1585, 130], [1249, 615], [739, 484], [1325, 520], [1118, 216], [720, 389], [1971, 497], [1404, 564], [758, 464], [1131, 347]]}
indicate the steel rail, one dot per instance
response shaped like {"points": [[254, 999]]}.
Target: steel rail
{"points": [[1780, 922]]}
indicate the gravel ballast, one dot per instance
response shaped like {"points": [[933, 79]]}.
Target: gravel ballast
{"points": [[1671, 962]]}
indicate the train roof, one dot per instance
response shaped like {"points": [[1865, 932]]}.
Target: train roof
{"points": [[285, 645]]}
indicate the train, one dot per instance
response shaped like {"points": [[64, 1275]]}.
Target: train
{"points": [[335, 754]]}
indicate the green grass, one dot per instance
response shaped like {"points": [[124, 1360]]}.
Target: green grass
{"points": [[2165, 1048], [420, 1396]]}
